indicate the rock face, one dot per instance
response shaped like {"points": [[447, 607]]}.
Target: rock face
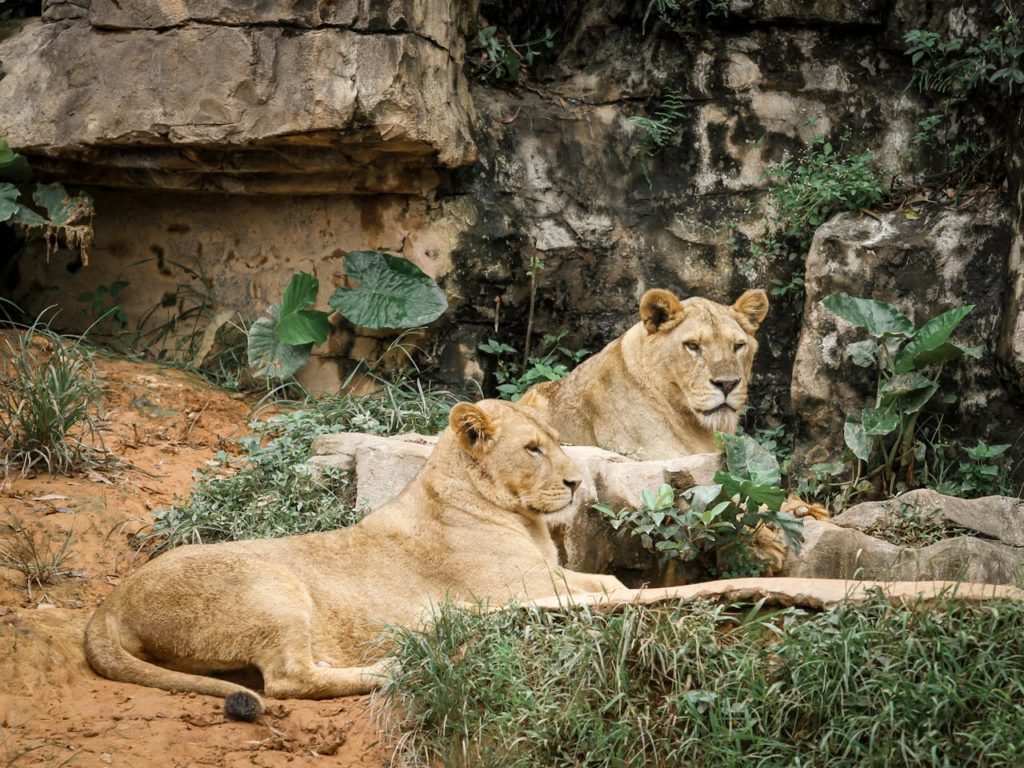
{"points": [[285, 98], [843, 548], [924, 266]]}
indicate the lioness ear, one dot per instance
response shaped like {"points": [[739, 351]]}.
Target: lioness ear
{"points": [[658, 306], [474, 428], [751, 307]]}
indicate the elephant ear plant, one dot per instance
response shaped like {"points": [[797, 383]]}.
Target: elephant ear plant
{"points": [[908, 362], [391, 293]]}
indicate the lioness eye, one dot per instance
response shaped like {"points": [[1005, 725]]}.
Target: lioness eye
{"points": [[535, 449], [693, 346], [739, 345]]}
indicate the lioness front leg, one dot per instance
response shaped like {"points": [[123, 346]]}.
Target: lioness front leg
{"points": [[590, 582]]}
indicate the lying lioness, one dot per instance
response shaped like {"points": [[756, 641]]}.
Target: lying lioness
{"points": [[306, 610]]}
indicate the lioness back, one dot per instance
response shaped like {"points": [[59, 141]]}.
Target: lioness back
{"points": [[664, 387]]}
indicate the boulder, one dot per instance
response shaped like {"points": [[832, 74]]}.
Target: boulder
{"points": [[925, 266]]}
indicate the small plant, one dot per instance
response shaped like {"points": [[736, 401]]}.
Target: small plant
{"points": [[660, 129], [680, 15], [48, 400], [392, 293], [494, 58], [718, 521], [910, 525], [968, 78], [40, 561], [104, 304], [822, 182], [908, 362], [267, 491], [984, 474], [553, 363]]}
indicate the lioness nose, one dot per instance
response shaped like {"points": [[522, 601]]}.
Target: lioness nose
{"points": [[572, 485], [726, 385]]}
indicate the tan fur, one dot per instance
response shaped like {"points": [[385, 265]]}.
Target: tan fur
{"points": [[652, 392], [306, 611]]}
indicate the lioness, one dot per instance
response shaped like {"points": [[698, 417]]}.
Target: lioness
{"points": [[306, 610], [664, 387]]}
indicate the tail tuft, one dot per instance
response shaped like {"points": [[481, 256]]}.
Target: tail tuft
{"points": [[243, 706]]}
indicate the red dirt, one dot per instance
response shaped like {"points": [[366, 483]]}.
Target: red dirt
{"points": [[163, 424]]}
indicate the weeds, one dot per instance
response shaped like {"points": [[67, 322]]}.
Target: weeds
{"points": [[910, 525], [48, 399], [39, 561], [660, 129], [873, 684], [553, 363], [495, 58], [266, 491], [823, 181]]}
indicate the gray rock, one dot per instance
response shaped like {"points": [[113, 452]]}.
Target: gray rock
{"points": [[942, 260], [834, 552], [998, 517]]}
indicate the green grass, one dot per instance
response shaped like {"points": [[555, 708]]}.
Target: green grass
{"points": [[49, 396], [705, 685], [264, 491]]}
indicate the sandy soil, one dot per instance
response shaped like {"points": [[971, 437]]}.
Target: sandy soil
{"points": [[161, 424]]}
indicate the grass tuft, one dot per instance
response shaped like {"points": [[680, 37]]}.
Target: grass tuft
{"points": [[705, 685], [48, 399], [40, 560], [265, 491]]}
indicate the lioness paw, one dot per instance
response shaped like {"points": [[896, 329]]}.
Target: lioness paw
{"points": [[797, 507]]}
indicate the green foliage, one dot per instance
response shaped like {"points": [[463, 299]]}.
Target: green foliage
{"points": [[659, 130], [49, 395], [267, 490], [700, 684], [715, 526], [807, 191], [908, 362], [65, 216], [912, 525], [104, 305], [968, 78], [494, 58], [955, 468], [13, 166], [391, 293], [552, 363], [681, 16]]}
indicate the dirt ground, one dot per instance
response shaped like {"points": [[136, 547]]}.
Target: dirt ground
{"points": [[162, 424]]}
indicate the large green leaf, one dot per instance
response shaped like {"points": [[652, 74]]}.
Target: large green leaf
{"points": [[792, 528], [930, 338], [944, 353], [863, 353], [753, 493], [745, 459], [875, 317], [61, 208], [878, 423], [268, 355], [857, 438], [392, 292], [296, 324], [9, 204], [903, 384]]}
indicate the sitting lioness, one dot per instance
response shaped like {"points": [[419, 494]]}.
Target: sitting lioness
{"points": [[664, 387], [306, 610]]}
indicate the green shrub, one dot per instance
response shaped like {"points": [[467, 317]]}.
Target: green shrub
{"points": [[908, 362], [265, 491], [808, 190], [552, 363], [49, 397], [704, 685], [715, 523], [495, 58], [660, 129]]}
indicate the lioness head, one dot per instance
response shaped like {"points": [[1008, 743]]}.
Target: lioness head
{"points": [[703, 351], [515, 460]]}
